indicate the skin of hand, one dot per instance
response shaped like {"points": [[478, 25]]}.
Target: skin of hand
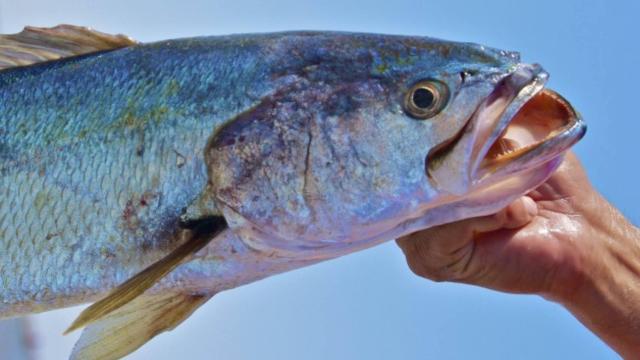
{"points": [[563, 241]]}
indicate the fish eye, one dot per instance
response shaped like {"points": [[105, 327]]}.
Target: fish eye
{"points": [[426, 99]]}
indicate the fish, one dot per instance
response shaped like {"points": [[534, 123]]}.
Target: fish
{"points": [[147, 177]]}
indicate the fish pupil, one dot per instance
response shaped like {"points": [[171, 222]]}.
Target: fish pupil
{"points": [[423, 98]]}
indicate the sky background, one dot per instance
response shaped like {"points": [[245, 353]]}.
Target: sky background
{"points": [[368, 305]]}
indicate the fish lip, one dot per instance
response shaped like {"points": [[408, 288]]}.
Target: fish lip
{"points": [[528, 157]]}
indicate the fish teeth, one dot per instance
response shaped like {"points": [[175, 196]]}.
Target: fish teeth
{"points": [[505, 147]]}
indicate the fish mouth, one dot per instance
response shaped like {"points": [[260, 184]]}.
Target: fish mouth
{"points": [[537, 126], [521, 126]]}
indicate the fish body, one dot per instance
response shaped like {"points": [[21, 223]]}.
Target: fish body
{"points": [[301, 141], [100, 156]]}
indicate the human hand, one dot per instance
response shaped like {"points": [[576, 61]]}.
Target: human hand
{"points": [[562, 241]]}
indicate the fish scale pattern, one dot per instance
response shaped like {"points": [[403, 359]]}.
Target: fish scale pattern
{"points": [[99, 155], [89, 212]]}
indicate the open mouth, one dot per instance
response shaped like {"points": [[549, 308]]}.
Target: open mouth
{"points": [[519, 127], [543, 117]]}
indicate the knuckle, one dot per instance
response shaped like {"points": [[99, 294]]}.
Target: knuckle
{"points": [[440, 275], [428, 260], [417, 268], [459, 268], [426, 269], [453, 267]]}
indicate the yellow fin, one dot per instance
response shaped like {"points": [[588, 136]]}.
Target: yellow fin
{"points": [[196, 239], [131, 326], [34, 45]]}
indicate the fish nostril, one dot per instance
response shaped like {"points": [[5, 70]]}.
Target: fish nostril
{"points": [[468, 75]]}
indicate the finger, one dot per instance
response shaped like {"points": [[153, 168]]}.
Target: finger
{"points": [[520, 212], [441, 253], [451, 236], [444, 252]]}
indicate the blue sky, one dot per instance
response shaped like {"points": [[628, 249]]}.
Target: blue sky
{"points": [[368, 305]]}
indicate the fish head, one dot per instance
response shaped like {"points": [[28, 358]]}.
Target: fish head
{"points": [[369, 137]]}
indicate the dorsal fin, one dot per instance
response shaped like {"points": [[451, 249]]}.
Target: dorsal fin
{"points": [[34, 45]]}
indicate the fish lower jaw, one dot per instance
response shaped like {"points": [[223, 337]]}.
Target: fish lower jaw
{"points": [[502, 191], [485, 198]]}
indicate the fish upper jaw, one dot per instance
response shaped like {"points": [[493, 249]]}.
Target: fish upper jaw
{"points": [[518, 127]]}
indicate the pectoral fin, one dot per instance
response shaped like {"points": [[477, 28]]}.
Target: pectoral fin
{"points": [[132, 325], [196, 238]]}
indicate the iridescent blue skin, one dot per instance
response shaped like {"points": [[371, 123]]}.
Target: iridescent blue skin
{"points": [[299, 139]]}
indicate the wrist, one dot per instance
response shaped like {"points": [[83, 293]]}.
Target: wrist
{"points": [[601, 287]]}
